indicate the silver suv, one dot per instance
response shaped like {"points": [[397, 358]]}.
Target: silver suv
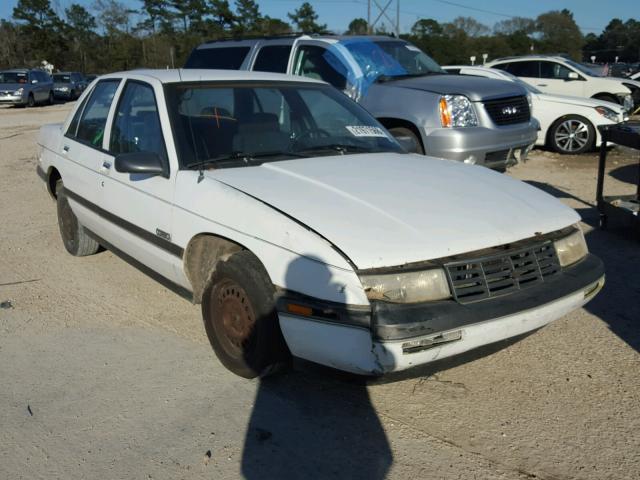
{"points": [[474, 120], [25, 87]]}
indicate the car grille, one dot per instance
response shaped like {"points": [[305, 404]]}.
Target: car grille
{"points": [[503, 273], [507, 111]]}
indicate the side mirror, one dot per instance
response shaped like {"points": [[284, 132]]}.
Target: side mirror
{"points": [[34, 81], [147, 163], [573, 76]]}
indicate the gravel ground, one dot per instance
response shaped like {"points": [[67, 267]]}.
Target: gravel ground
{"points": [[105, 374]]}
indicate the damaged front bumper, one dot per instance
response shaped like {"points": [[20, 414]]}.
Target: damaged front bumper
{"points": [[388, 337]]}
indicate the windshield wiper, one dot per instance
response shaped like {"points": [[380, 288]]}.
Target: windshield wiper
{"points": [[235, 158], [390, 78], [341, 148]]}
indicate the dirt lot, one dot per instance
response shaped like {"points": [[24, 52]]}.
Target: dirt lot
{"points": [[105, 374]]}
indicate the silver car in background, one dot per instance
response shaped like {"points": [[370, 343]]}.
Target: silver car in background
{"points": [[472, 120], [25, 87]]}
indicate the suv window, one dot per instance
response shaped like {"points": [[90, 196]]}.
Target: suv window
{"points": [[226, 58], [553, 70], [94, 116], [136, 126], [320, 63], [521, 69], [272, 58]]}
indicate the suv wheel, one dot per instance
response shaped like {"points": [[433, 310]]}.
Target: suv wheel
{"points": [[31, 101], [240, 317], [50, 99], [572, 134], [402, 132]]}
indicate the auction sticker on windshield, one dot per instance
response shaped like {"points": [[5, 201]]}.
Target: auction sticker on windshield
{"points": [[365, 131]]}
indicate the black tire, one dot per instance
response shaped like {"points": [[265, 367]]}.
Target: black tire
{"points": [[74, 236], [240, 318], [50, 100], [400, 132], [31, 101], [72, 95], [571, 135]]}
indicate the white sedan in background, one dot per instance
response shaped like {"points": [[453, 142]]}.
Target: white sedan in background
{"points": [[567, 124]]}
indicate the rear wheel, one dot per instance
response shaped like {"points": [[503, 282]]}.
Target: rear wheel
{"points": [[73, 234], [572, 134], [240, 317], [402, 132]]}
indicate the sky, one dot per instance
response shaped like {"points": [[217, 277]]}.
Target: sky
{"points": [[590, 15]]}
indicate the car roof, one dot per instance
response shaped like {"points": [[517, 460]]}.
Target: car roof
{"points": [[529, 57], [178, 75], [16, 70], [239, 41]]}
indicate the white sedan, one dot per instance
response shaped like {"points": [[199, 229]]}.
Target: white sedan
{"points": [[302, 227], [568, 125]]}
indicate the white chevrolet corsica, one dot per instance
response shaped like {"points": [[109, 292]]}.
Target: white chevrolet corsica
{"points": [[302, 227]]}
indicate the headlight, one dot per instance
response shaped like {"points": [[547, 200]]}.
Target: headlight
{"points": [[19, 91], [608, 113], [571, 248], [530, 101], [457, 111], [627, 101], [410, 287], [64, 89]]}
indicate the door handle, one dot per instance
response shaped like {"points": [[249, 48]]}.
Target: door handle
{"points": [[106, 165], [542, 84], [65, 149]]}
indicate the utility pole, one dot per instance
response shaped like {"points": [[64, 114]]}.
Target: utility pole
{"points": [[382, 12]]}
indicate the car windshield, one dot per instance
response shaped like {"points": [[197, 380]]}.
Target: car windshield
{"points": [[220, 125], [13, 77], [583, 68], [390, 58], [59, 78]]}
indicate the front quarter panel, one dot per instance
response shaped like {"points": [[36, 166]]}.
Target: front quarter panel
{"points": [[295, 257]]}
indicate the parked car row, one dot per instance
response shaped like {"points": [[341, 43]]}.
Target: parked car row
{"points": [[30, 87], [298, 221]]}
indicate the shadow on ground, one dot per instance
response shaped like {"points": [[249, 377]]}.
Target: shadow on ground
{"points": [[618, 305]]}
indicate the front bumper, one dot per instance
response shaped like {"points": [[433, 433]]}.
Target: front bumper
{"points": [[392, 337], [12, 100], [62, 94], [496, 147]]}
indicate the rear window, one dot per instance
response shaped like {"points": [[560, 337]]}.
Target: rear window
{"points": [[272, 58], [228, 58]]}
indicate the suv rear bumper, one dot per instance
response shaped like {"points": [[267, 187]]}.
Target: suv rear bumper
{"points": [[497, 147]]}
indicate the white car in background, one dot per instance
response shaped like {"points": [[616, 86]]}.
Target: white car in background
{"points": [[562, 76], [567, 124]]}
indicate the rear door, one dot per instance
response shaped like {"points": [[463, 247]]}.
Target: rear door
{"points": [[314, 60], [82, 147], [528, 70], [140, 205]]}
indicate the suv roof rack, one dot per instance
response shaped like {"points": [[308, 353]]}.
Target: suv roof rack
{"points": [[236, 38], [528, 55]]}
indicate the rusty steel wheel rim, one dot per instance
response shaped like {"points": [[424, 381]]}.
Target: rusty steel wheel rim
{"points": [[237, 317]]}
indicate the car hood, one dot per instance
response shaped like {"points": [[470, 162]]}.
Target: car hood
{"points": [[389, 209], [475, 88], [579, 101], [12, 86], [61, 84]]}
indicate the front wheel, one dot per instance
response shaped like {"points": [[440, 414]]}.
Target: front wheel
{"points": [[240, 317], [50, 99], [31, 101], [572, 134], [400, 133]]}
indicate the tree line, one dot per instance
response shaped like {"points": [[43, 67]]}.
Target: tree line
{"points": [[111, 36]]}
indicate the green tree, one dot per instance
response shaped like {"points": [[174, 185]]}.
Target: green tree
{"points": [[305, 19], [80, 30], [358, 26], [248, 16], [559, 33], [222, 14], [515, 24], [426, 27]]}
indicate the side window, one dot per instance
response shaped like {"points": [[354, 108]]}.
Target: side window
{"points": [[553, 70], [73, 126], [523, 69], [227, 58], [320, 63], [136, 125], [272, 58], [94, 116]]}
